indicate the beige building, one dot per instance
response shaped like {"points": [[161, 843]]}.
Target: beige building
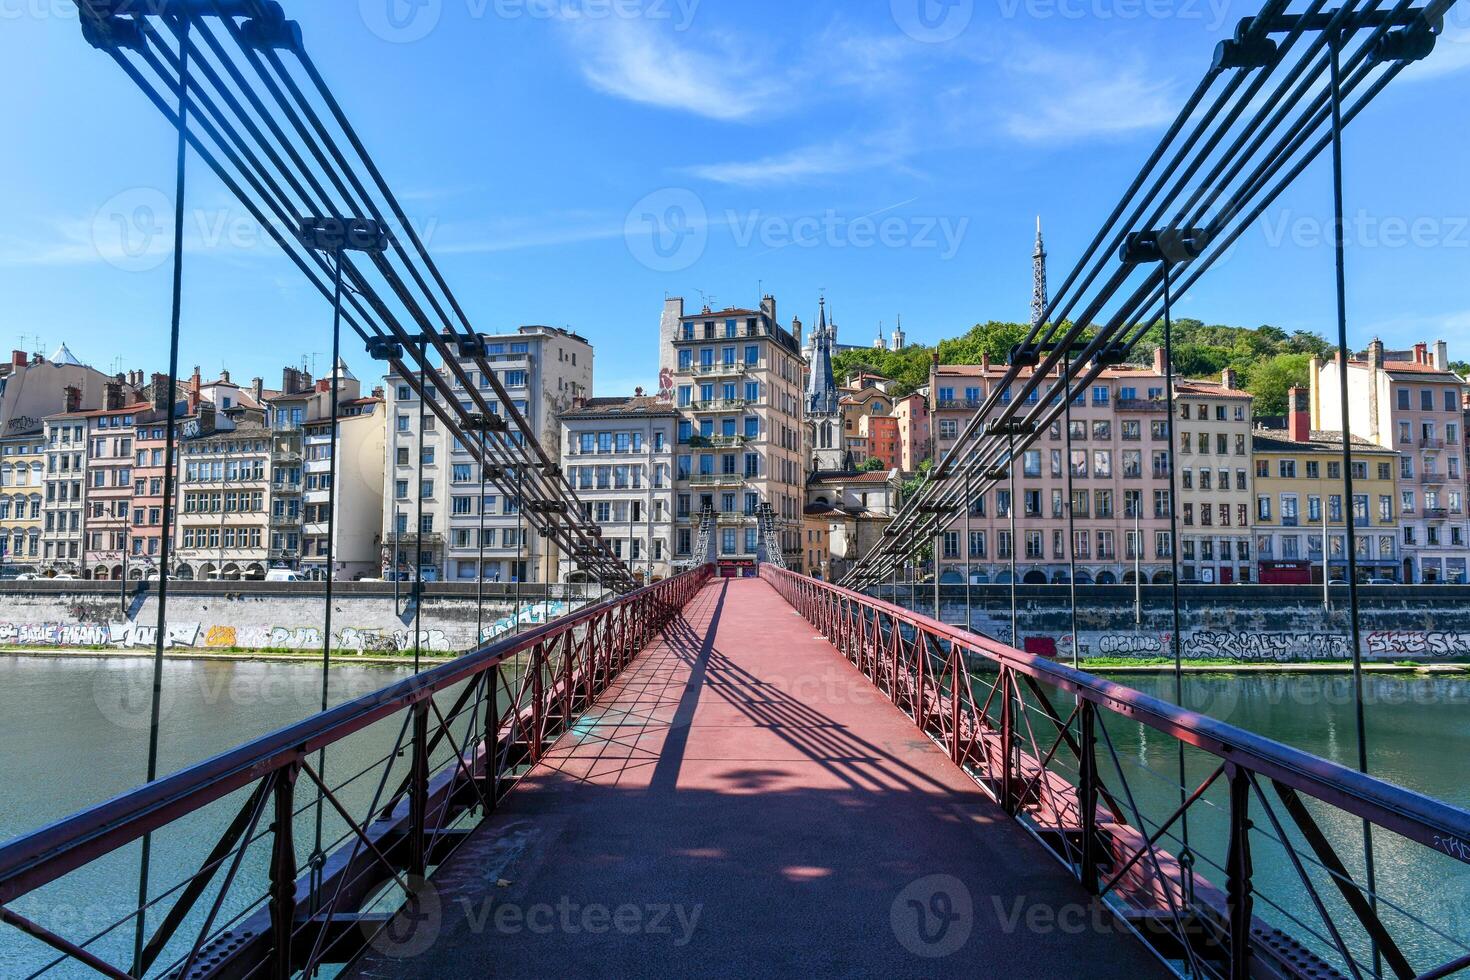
{"points": [[1411, 402], [1213, 440], [33, 388], [544, 370], [1298, 486], [845, 516], [357, 532], [735, 377], [223, 497], [63, 547], [110, 483]]}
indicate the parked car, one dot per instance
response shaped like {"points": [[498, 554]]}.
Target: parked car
{"points": [[284, 575]]}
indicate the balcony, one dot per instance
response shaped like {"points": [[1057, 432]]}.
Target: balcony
{"points": [[958, 405], [286, 486], [719, 369], [717, 442], [735, 520], [285, 520], [1436, 513], [716, 480], [1433, 479], [1428, 442], [1290, 521], [431, 539], [719, 405], [1151, 405]]}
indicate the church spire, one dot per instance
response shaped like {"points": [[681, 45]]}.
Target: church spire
{"points": [[821, 385], [1039, 299]]}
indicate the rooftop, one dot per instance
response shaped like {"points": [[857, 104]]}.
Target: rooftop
{"points": [[1323, 440], [626, 406]]}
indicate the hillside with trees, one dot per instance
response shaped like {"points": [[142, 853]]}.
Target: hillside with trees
{"points": [[1268, 360]]}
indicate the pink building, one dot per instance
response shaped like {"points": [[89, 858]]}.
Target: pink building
{"points": [[1119, 466]]}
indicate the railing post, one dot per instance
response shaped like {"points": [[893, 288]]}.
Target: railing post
{"points": [[283, 872], [1007, 724], [538, 695], [954, 701], [1238, 898], [921, 671], [418, 792], [1088, 796]]}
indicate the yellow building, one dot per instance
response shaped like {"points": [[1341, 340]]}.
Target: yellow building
{"points": [[22, 474], [1297, 480]]}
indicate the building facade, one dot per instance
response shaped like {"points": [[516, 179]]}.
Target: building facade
{"points": [[845, 516], [224, 492], [1300, 516], [735, 378], [911, 414], [1212, 434], [63, 545], [357, 533], [1409, 401], [110, 485], [1119, 469], [544, 370], [618, 454], [22, 493]]}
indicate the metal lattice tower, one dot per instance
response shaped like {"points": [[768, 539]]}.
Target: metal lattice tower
{"points": [[771, 538], [1039, 297]]}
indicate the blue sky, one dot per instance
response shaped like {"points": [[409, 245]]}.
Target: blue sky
{"points": [[895, 162]]}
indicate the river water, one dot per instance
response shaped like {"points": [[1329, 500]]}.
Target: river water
{"points": [[74, 733]]}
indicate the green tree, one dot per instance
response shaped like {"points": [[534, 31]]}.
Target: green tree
{"points": [[1271, 379], [870, 464]]}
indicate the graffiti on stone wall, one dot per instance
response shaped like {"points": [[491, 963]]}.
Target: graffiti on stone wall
{"points": [[134, 635], [1257, 645], [1432, 643], [1130, 644]]}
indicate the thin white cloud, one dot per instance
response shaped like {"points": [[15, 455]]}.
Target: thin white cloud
{"points": [[643, 60], [1080, 101], [806, 163]]}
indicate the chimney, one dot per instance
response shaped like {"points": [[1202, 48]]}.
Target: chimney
{"points": [[195, 384], [257, 389], [1229, 380], [768, 307], [162, 397], [1421, 353], [206, 417], [1160, 368], [73, 399], [1441, 356], [224, 376], [112, 396], [38, 358], [1375, 354], [324, 385], [1299, 421], [985, 363], [638, 392], [18, 358], [378, 391]]}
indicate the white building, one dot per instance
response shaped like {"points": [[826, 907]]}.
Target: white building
{"points": [[619, 455], [432, 507]]}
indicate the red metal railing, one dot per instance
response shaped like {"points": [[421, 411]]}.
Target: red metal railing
{"points": [[1010, 719], [501, 708]]}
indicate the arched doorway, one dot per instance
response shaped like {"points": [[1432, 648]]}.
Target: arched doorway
{"points": [[1003, 578], [1128, 578], [1084, 578], [1106, 578], [1164, 577], [100, 573], [1034, 577], [1060, 578], [255, 573], [951, 577]]}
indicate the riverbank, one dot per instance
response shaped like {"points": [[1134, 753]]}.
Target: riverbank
{"points": [[340, 658], [1114, 665]]}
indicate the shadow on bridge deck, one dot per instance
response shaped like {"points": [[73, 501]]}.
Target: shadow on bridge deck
{"points": [[743, 802]]}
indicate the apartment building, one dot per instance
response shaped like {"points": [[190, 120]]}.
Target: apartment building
{"points": [[150, 439], [22, 490], [911, 416], [63, 547], [110, 483], [224, 488], [544, 370], [735, 377], [862, 436], [618, 453], [1298, 484], [1213, 435], [1119, 468], [1409, 401], [356, 534], [287, 413], [33, 387]]}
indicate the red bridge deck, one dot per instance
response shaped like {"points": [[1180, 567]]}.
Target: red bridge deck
{"points": [[743, 802]]}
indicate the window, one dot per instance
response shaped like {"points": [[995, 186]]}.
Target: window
{"points": [[1263, 508], [1287, 469]]}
